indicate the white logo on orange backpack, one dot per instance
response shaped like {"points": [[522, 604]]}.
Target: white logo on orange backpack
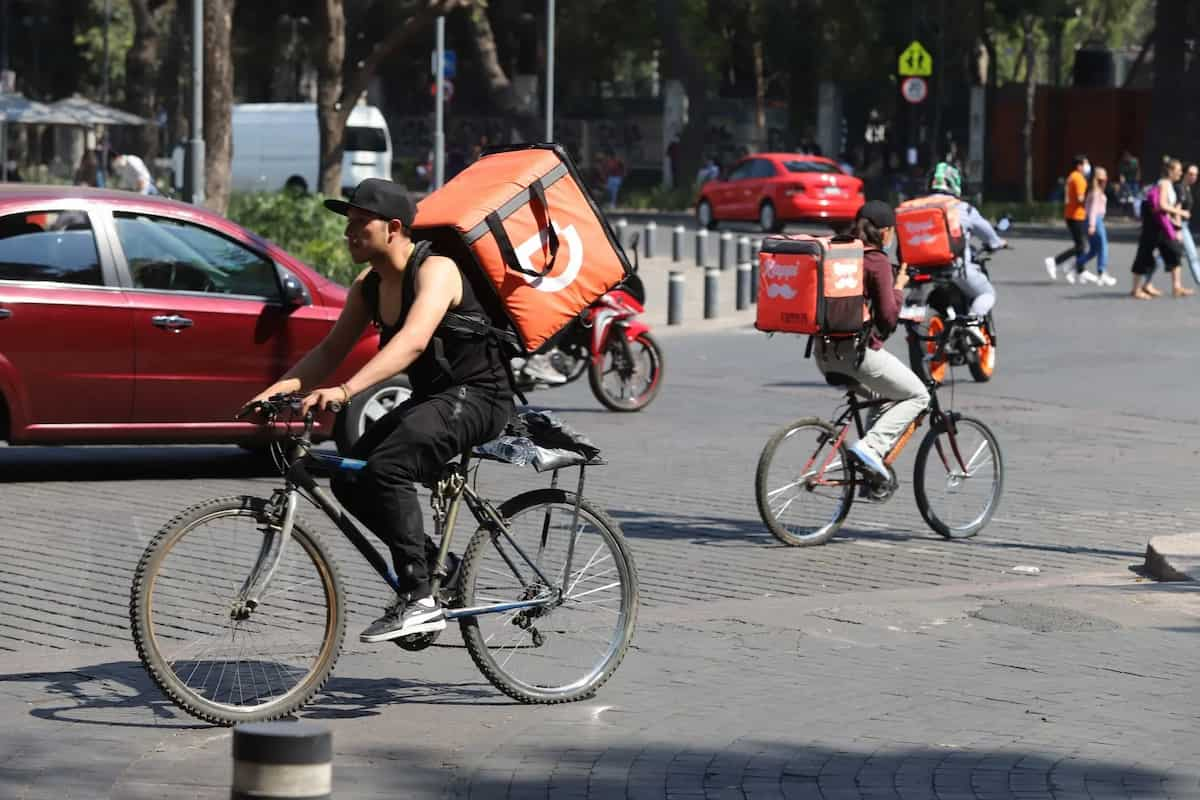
{"points": [[567, 237]]}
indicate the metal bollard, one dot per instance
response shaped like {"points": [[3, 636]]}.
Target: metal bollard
{"points": [[282, 760], [743, 286], [648, 239], [675, 292], [677, 243], [622, 228], [743, 249], [712, 278], [754, 281], [726, 247], [701, 246]]}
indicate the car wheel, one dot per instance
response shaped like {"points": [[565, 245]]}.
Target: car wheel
{"points": [[704, 216], [767, 220], [366, 408]]}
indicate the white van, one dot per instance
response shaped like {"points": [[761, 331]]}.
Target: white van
{"points": [[277, 145]]}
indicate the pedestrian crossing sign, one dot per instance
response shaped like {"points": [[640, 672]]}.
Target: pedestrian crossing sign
{"points": [[915, 61]]}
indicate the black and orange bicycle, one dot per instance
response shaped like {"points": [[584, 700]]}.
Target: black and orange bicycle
{"points": [[807, 480]]}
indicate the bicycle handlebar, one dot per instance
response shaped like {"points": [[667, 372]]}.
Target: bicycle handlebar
{"points": [[273, 406]]}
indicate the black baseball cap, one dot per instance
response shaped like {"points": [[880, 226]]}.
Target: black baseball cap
{"points": [[878, 213], [384, 199]]}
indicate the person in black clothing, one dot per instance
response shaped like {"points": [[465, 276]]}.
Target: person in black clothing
{"points": [[461, 394]]}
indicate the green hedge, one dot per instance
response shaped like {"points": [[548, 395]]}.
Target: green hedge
{"points": [[300, 224]]}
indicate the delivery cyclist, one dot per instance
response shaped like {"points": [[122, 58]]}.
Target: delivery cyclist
{"points": [[877, 371], [461, 394]]}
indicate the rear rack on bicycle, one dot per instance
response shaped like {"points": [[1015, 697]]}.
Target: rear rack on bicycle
{"points": [[538, 438]]}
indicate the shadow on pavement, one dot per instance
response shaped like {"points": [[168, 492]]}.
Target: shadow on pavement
{"points": [[130, 463]]}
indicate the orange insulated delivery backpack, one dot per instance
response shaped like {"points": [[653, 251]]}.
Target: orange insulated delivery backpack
{"points": [[813, 285], [521, 216], [929, 231]]}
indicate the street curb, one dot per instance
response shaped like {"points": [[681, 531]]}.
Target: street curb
{"points": [[1124, 232], [1174, 558]]}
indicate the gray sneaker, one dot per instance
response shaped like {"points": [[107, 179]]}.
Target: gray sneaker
{"points": [[404, 618], [539, 368]]}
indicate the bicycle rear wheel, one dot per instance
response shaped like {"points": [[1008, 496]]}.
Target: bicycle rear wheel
{"points": [[567, 649], [210, 655], [958, 478], [804, 489]]}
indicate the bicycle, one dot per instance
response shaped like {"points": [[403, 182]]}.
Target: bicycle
{"points": [[238, 611], [822, 468]]}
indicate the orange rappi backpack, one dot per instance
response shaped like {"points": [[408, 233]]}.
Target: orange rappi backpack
{"points": [[538, 243], [813, 285], [929, 232]]}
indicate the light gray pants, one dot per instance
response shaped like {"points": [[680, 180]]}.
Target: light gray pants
{"points": [[883, 376], [977, 287]]}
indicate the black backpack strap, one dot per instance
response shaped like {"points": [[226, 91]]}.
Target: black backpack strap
{"points": [[370, 292], [808, 348], [537, 196]]}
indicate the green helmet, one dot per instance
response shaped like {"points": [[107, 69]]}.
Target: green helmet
{"points": [[946, 179]]}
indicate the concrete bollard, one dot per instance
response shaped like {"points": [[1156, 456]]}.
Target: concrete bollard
{"points": [[622, 229], [282, 760], [701, 246], [675, 292], [648, 239], [712, 282], [677, 243], [743, 286], [743, 249], [725, 254], [754, 281]]}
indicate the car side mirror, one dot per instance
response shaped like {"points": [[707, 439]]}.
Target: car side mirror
{"points": [[293, 292]]}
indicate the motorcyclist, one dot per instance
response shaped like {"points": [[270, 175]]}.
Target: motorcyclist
{"points": [[972, 281]]}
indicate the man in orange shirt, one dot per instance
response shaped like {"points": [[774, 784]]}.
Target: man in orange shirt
{"points": [[1075, 213]]}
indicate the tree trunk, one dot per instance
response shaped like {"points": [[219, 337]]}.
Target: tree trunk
{"points": [[499, 86], [681, 62], [141, 72], [173, 74], [760, 98], [339, 88], [218, 102], [331, 54], [1028, 25], [1174, 114]]}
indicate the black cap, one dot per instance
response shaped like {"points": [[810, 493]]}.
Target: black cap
{"points": [[384, 199], [878, 213]]}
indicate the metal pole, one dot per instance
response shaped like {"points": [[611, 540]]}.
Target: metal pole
{"points": [[549, 70], [196, 144], [675, 291], [723, 248], [648, 240], [622, 231], [743, 286], [712, 277], [677, 243], [282, 760], [439, 130], [104, 75], [701, 246]]}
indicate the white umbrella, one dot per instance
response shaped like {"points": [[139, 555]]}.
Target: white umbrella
{"points": [[16, 108], [82, 111]]}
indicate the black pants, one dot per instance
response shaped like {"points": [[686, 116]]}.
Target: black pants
{"points": [[413, 444], [1153, 238], [1078, 229]]}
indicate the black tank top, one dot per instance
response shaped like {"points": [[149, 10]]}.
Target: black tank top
{"points": [[471, 359]]}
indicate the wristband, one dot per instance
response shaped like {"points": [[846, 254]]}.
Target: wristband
{"points": [[346, 392]]}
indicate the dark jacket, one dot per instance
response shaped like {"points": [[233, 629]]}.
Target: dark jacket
{"points": [[882, 295]]}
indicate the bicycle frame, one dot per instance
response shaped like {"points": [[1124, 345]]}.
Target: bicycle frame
{"points": [[449, 492]]}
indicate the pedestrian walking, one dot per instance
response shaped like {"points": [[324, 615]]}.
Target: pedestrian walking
{"points": [[1129, 169], [1186, 192], [1160, 231], [615, 172], [1097, 209], [133, 174], [1075, 214]]}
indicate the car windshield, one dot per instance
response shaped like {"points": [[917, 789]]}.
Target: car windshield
{"points": [[369, 139], [812, 166]]}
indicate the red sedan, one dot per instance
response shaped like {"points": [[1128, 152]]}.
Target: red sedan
{"points": [[126, 318], [776, 188]]}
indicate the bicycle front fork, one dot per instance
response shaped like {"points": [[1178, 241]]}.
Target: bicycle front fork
{"points": [[277, 531]]}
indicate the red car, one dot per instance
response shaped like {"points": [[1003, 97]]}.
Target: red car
{"points": [[776, 188], [127, 318]]}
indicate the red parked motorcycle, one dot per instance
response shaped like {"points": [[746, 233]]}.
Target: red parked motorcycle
{"points": [[607, 341]]}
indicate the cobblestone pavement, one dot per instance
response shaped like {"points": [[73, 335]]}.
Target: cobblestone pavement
{"points": [[888, 663]]}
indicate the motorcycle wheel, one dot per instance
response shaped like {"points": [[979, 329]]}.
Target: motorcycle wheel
{"points": [[623, 386], [938, 367], [983, 362]]}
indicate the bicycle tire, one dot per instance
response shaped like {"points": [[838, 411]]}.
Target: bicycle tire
{"points": [[762, 490], [920, 489], [142, 614], [477, 645]]}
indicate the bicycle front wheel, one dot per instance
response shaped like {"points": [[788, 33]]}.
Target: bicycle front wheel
{"points": [[804, 487], [566, 649], [210, 653], [958, 478]]}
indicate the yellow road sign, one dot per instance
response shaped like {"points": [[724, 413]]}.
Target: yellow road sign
{"points": [[915, 61]]}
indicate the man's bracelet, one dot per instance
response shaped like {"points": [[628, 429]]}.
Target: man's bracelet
{"points": [[345, 391]]}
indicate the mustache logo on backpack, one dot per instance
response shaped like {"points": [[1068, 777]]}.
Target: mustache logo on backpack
{"points": [[568, 238], [775, 290]]}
